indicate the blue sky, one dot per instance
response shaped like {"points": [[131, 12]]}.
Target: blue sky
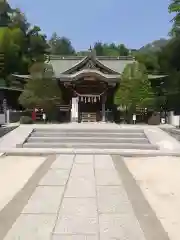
{"points": [[134, 23]]}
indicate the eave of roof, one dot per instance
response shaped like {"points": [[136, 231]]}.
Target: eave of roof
{"points": [[151, 76], [11, 89], [21, 76], [70, 77], [87, 72]]}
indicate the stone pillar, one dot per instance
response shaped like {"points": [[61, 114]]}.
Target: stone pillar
{"points": [[7, 116], [103, 110], [74, 110]]}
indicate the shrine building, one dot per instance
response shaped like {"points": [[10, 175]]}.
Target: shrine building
{"points": [[88, 84]]}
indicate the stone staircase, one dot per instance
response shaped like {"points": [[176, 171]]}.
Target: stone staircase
{"points": [[89, 139]]}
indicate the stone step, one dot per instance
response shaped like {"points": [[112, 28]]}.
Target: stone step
{"points": [[86, 139], [88, 134], [91, 145], [89, 130]]}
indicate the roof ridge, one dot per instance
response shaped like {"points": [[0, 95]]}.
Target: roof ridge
{"points": [[61, 57]]}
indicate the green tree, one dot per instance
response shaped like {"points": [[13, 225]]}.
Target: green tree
{"points": [[99, 48], [149, 59], [135, 88], [37, 43], [104, 49], [174, 7], [41, 90], [169, 64], [5, 11], [123, 50], [60, 45]]}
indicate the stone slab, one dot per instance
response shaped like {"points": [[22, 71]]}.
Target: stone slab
{"points": [[105, 177], [32, 227], [44, 200], [83, 170], [15, 171], [79, 207], [121, 152], [55, 177], [63, 161], [112, 199], [84, 159], [81, 187], [119, 226], [76, 225], [103, 162], [75, 237]]}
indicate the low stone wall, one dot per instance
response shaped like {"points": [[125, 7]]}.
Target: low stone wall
{"points": [[14, 116]]}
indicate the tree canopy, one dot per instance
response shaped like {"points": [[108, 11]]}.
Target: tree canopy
{"points": [[41, 90], [135, 88], [174, 8]]}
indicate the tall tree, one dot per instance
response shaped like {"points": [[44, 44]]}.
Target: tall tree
{"points": [[123, 50], [174, 7], [99, 49], [169, 64], [37, 44], [104, 49], [149, 59], [135, 88], [5, 11], [41, 90], [61, 45]]}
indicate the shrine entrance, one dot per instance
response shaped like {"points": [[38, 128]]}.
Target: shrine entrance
{"points": [[91, 99], [90, 108]]}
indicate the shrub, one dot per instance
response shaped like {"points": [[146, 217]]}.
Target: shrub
{"points": [[26, 120]]}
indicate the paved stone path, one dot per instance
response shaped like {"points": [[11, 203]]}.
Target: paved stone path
{"points": [[79, 197]]}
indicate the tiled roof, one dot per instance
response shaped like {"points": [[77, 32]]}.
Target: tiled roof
{"points": [[61, 64]]}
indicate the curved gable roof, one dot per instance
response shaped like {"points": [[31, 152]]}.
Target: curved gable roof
{"points": [[69, 65], [85, 72]]}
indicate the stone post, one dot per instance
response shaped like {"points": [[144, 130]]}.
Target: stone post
{"points": [[103, 110], [74, 110]]}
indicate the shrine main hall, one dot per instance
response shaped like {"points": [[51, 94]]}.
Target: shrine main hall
{"points": [[88, 84]]}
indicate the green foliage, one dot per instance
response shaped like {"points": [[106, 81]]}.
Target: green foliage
{"points": [[5, 10], [20, 43], [174, 7], [169, 64], [135, 88], [103, 49], [150, 60], [61, 46], [26, 120], [41, 90]]}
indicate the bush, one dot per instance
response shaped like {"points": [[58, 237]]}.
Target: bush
{"points": [[26, 120]]}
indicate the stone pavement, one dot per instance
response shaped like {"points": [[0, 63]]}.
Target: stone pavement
{"points": [[80, 197]]}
